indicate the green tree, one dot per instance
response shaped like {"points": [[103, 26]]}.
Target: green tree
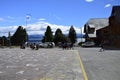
{"points": [[20, 36], [3, 41], [72, 35], [59, 37], [48, 36]]}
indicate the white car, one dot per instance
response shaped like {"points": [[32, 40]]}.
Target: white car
{"points": [[47, 45], [88, 44]]}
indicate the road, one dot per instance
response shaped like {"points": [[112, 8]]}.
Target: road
{"points": [[101, 65]]}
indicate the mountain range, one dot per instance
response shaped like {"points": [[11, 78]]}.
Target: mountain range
{"points": [[39, 37]]}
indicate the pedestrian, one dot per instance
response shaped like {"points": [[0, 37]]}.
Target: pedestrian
{"points": [[102, 47], [71, 46], [37, 46]]}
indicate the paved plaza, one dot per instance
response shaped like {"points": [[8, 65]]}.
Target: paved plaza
{"points": [[58, 64], [42, 64]]}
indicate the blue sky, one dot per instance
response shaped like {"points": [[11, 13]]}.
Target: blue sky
{"points": [[56, 13]]}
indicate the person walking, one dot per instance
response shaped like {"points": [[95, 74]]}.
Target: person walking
{"points": [[102, 47]]}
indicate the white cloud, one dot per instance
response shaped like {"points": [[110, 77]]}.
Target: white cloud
{"points": [[57, 17], [107, 5], [10, 17], [42, 19], [89, 0], [38, 28], [4, 30], [1, 19]]}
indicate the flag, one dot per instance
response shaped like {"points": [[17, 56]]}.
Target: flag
{"points": [[28, 17]]}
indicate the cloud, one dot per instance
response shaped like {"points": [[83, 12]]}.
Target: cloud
{"points": [[57, 17], [1, 19], [38, 28], [10, 17], [107, 5], [89, 0], [4, 30], [42, 19]]}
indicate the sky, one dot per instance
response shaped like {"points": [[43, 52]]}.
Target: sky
{"points": [[36, 15]]}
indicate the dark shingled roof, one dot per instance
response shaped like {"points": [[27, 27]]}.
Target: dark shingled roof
{"points": [[98, 23]]}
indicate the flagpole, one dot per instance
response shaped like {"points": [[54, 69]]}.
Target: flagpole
{"points": [[26, 22], [27, 18]]}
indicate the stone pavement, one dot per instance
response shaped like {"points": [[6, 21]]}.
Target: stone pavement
{"points": [[42, 64]]}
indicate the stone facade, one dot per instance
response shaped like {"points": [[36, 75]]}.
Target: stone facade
{"points": [[105, 30], [111, 33]]}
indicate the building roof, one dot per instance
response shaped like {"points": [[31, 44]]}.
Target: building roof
{"points": [[97, 23], [116, 12]]}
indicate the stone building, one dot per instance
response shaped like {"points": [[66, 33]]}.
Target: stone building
{"points": [[111, 33], [91, 27], [105, 30]]}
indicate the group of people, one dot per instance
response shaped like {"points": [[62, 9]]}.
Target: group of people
{"points": [[66, 45], [34, 46]]}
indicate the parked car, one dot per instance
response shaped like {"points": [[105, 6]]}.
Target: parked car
{"points": [[47, 45], [41, 45], [88, 44]]}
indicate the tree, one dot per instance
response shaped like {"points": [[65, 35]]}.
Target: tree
{"points": [[19, 37], [72, 35], [59, 37], [48, 36], [3, 41]]}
